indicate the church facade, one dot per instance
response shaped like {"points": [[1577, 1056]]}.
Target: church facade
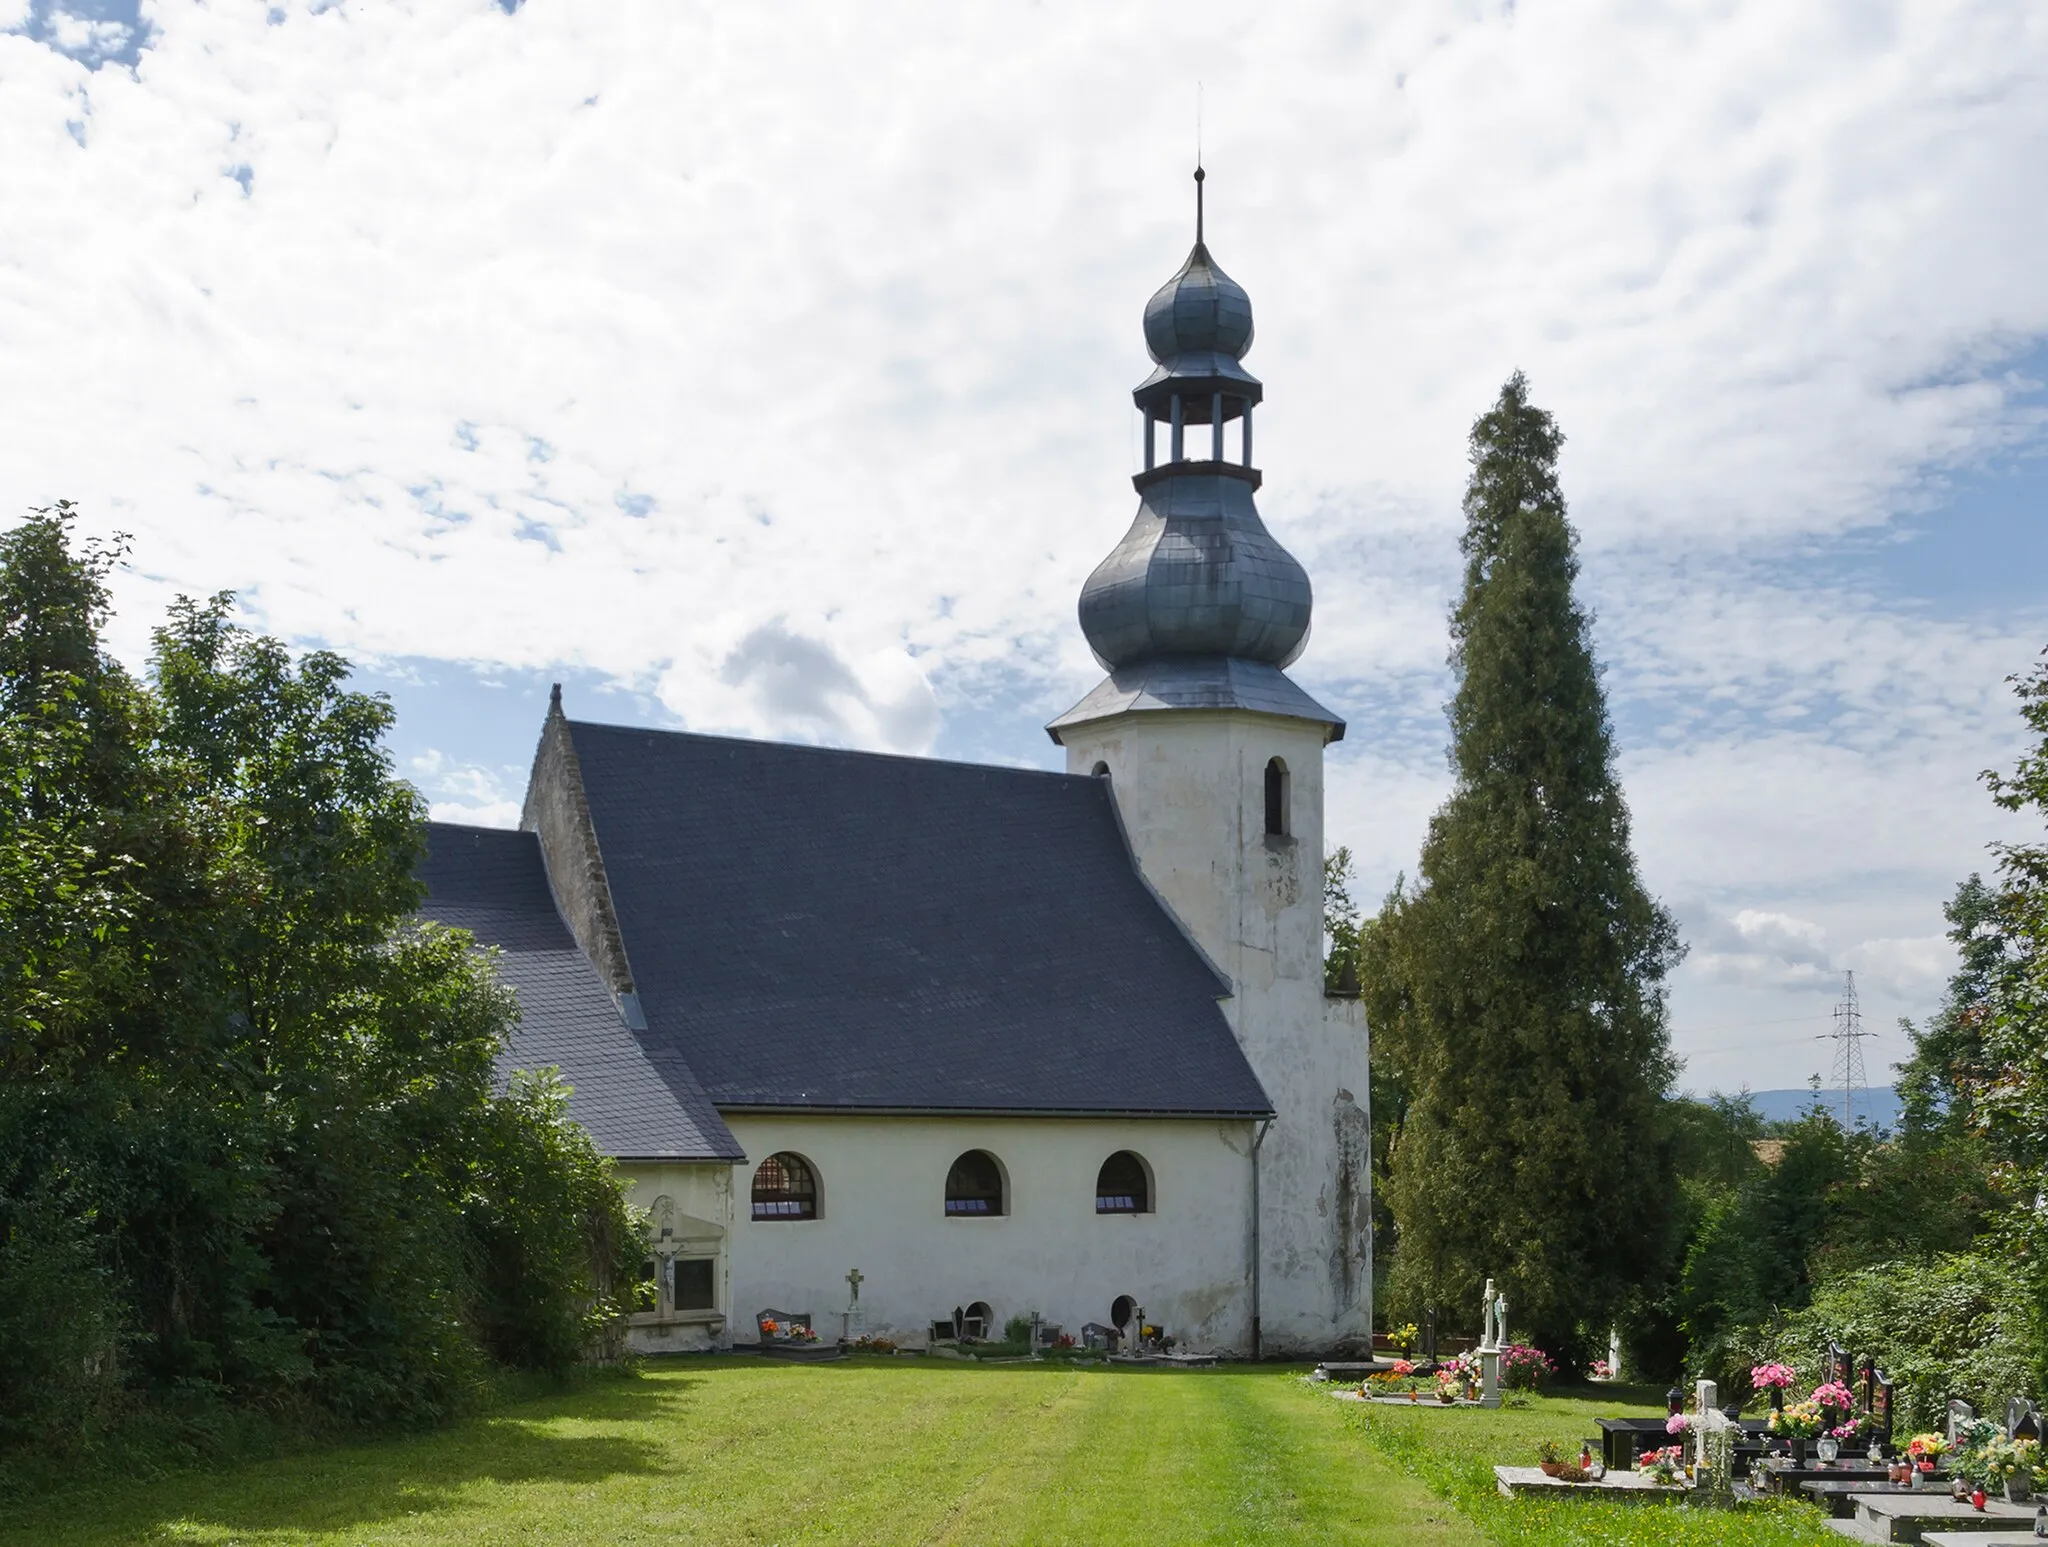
{"points": [[892, 1041]]}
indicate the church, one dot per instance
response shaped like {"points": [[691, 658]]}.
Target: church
{"points": [[879, 1039]]}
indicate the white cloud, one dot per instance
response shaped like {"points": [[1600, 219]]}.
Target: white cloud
{"points": [[464, 792], [777, 360], [86, 36]]}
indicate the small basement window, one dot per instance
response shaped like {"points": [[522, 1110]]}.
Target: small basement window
{"points": [[974, 1187], [695, 1286], [1122, 1186], [1277, 792], [785, 1188]]}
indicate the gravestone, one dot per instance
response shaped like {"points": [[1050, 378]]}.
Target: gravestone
{"points": [[1706, 1398], [1429, 1335], [1614, 1354], [2022, 1420], [1881, 1408], [1718, 1434], [1841, 1364], [1960, 1416]]}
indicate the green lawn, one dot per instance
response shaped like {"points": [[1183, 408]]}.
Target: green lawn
{"points": [[904, 1451]]}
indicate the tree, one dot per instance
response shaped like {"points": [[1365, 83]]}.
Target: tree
{"points": [[1517, 986], [252, 1145], [2012, 1105]]}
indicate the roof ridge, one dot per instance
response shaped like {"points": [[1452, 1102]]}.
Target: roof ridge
{"points": [[815, 747]]}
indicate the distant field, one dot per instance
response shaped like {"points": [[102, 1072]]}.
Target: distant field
{"points": [[905, 1451]]}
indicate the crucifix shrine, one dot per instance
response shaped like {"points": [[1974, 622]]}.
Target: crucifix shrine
{"points": [[850, 1319]]}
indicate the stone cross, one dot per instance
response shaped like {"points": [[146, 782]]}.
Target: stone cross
{"points": [[1486, 1329], [853, 1283], [1500, 1322], [1707, 1397]]}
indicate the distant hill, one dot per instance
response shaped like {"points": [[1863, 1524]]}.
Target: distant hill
{"points": [[1784, 1105]]}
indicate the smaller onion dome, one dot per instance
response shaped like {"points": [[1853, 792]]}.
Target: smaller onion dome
{"points": [[1198, 326]]}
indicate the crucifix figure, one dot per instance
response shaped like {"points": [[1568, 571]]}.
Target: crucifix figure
{"points": [[853, 1282]]}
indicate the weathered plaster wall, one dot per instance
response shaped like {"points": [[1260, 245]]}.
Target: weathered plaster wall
{"points": [[558, 810], [691, 1204], [1190, 788], [881, 1185]]}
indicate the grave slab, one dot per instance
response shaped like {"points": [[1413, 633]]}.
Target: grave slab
{"points": [[1523, 1481], [1979, 1539], [1907, 1516]]}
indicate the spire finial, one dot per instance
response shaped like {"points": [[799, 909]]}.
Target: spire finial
{"points": [[1200, 178]]}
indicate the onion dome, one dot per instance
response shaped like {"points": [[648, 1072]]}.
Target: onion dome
{"points": [[1198, 574]]}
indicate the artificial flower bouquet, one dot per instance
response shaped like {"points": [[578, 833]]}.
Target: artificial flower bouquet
{"points": [[1661, 1467], [1798, 1420], [1835, 1400], [1925, 1451], [1395, 1381], [1602, 1370], [1679, 1423], [2003, 1460], [1766, 1376]]}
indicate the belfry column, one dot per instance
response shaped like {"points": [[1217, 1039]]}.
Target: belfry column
{"points": [[1215, 758]]}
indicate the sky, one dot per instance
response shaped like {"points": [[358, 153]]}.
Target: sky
{"points": [[765, 370]]}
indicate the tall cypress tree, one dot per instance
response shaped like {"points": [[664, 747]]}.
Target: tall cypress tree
{"points": [[1517, 986]]}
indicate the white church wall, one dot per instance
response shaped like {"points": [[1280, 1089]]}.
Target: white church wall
{"points": [[1191, 791], [881, 1187]]}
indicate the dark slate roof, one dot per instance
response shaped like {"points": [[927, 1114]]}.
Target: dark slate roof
{"points": [[812, 928], [1210, 682], [492, 883]]}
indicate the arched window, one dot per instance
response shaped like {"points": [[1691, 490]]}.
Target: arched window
{"points": [[1122, 1186], [1100, 770], [1121, 1309], [1277, 823], [974, 1187], [784, 1188]]}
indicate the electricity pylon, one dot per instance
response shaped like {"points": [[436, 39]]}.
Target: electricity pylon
{"points": [[1848, 1038]]}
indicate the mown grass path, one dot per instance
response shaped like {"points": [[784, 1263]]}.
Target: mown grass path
{"points": [[742, 1451]]}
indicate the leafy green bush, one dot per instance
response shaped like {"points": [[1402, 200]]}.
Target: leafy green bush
{"points": [[1949, 1328], [252, 1149]]}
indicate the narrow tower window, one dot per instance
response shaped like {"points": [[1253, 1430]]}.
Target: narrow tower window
{"points": [[1122, 1187], [784, 1188], [974, 1187], [1276, 798]]}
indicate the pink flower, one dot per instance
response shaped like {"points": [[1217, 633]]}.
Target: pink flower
{"points": [[1835, 1395], [1779, 1375], [1677, 1423]]}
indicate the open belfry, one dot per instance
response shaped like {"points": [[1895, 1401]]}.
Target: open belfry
{"points": [[900, 1046]]}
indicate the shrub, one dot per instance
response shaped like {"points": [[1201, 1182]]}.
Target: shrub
{"points": [[1523, 1368], [1953, 1327]]}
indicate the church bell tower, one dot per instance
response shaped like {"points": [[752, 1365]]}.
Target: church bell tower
{"points": [[1215, 759]]}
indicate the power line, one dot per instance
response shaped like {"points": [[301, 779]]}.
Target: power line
{"points": [[1790, 1020]]}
